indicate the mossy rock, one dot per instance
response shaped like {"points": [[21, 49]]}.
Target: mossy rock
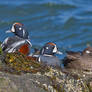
{"points": [[21, 63], [0, 49], [38, 74]]}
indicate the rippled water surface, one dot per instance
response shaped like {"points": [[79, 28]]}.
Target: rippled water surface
{"points": [[68, 23]]}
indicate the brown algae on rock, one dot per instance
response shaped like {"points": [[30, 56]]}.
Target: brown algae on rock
{"points": [[22, 63]]}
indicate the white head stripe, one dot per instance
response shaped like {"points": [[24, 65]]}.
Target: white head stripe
{"points": [[55, 49], [88, 51], [13, 29]]}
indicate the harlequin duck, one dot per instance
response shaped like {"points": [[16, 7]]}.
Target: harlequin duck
{"points": [[79, 60], [20, 42], [47, 54]]}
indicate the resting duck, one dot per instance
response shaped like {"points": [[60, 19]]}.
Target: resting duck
{"points": [[79, 60], [19, 42]]}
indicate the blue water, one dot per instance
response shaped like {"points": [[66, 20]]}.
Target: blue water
{"points": [[68, 23]]}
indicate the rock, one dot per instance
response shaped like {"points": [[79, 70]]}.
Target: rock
{"points": [[21, 74], [18, 83], [52, 81], [6, 85]]}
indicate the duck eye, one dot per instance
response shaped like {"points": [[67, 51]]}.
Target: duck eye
{"points": [[20, 28], [47, 48]]}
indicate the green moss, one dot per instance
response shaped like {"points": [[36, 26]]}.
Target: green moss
{"points": [[0, 49]]}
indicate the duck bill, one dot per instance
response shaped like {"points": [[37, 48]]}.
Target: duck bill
{"points": [[58, 52], [8, 31]]}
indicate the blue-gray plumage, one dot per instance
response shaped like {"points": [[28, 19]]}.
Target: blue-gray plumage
{"points": [[47, 54]]}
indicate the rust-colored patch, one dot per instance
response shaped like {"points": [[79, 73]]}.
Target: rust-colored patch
{"points": [[31, 58], [18, 24], [24, 49], [51, 43]]}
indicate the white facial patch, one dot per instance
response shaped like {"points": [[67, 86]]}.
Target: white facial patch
{"points": [[13, 29], [87, 51], [55, 49]]}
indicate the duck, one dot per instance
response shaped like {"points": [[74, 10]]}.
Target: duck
{"points": [[80, 60], [47, 54], [18, 42]]}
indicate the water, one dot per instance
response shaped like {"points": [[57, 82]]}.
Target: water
{"points": [[68, 23]]}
